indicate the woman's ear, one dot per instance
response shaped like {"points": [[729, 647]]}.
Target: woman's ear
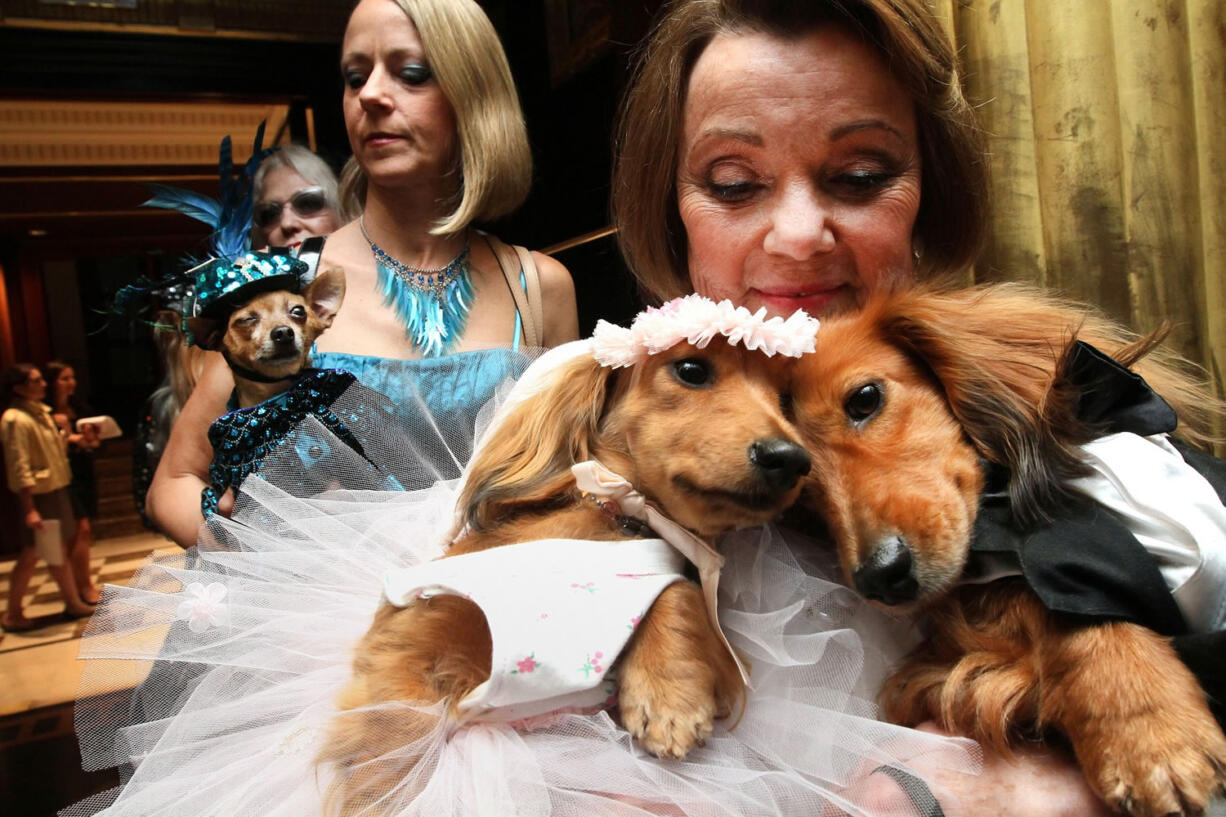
{"points": [[325, 294], [529, 458]]}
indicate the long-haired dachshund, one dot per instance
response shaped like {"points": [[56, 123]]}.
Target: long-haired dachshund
{"points": [[700, 433], [905, 406]]}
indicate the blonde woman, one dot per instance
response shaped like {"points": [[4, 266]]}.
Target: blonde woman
{"points": [[439, 145]]}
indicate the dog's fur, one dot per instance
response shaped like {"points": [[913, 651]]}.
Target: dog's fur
{"points": [[688, 447], [897, 407], [272, 333]]}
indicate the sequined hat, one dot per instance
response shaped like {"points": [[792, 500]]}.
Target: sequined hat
{"points": [[221, 284]]}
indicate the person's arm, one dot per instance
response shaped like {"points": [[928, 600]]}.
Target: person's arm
{"points": [[561, 316], [1038, 781], [173, 502]]}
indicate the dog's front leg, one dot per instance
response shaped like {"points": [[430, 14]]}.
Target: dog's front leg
{"points": [[677, 676], [1136, 716]]}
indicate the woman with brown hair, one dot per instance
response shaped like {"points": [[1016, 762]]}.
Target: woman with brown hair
{"points": [[36, 460]]}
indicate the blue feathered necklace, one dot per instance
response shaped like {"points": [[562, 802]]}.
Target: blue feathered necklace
{"points": [[432, 304]]}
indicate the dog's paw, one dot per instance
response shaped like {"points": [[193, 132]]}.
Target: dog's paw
{"points": [[667, 717], [1157, 764]]}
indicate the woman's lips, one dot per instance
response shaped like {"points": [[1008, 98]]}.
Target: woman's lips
{"points": [[381, 139], [812, 299]]}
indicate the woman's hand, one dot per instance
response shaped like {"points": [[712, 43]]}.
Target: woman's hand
{"points": [[34, 520]]}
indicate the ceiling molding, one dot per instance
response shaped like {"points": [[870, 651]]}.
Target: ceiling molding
{"points": [[41, 133]]}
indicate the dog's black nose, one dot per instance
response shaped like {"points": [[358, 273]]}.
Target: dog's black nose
{"points": [[781, 461], [886, 576], [282, 334]]}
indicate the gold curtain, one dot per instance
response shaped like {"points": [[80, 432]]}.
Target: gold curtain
{"points": [[1107, 134]]}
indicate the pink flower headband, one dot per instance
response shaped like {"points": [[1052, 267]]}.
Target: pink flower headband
{"points": [[697, 320]]}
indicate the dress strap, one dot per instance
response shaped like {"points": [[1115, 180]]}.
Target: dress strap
{"points": [[513, 261]]}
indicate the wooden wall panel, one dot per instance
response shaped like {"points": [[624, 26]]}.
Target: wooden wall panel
{"points": [[1107, 139], [997, 68]]}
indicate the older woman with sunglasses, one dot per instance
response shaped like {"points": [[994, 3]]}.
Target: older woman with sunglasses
{"points": [[295, 198]]}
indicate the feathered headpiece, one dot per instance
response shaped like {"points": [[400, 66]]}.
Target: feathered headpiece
{"points": [[232, 272]]}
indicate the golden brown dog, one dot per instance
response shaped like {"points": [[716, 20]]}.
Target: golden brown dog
{"points": [[267, 341], [701, 434], [899, 406]]}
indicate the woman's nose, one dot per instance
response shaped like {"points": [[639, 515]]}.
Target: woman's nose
{"points": [[800, 224], [373, 93]]}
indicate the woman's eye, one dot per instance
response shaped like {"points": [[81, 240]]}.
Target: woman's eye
{"points": [[415, 74], [738, 191], [863, 181], [693, 371], [863, 402], [353, 79], [297, 312]]}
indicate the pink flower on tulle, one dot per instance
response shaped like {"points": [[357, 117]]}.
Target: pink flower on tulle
{"points": [[527, 664], [698, 320], [203, 609], [634, 621]]}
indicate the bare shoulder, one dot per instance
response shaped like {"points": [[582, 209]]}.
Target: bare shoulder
{"points": [[346, 248], [558, 298]]}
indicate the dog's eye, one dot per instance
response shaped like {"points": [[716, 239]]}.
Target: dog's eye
{"points": [[246, 320], [693, 371], [297, 312], [863, 403]]}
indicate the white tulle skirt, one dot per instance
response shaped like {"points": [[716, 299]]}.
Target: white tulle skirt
{"points": [[252, 636]]}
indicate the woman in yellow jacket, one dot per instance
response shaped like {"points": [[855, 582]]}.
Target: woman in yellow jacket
{"points": [[36, 461]]}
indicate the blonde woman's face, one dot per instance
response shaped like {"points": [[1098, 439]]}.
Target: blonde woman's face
{"points": [[402, 129], [799, 174]]}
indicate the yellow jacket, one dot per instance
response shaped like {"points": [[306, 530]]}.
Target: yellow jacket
{"points": [[35, 453]]}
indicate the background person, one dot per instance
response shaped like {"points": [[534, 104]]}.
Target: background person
{"points": [[296, 197], [36, 462], [66, 409]]}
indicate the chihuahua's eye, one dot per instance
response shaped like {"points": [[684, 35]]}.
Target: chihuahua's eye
{"points": [[247, 320], [693, 371], [863, 402], [297, 312]]}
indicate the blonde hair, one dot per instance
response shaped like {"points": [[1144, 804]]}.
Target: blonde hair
{"points": [[953, 212], [471, 68]]}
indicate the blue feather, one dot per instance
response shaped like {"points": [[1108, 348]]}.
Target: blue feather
{"points": [[187, 202]]}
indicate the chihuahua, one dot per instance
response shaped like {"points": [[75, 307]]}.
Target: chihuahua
{"points": [[267, 340]]}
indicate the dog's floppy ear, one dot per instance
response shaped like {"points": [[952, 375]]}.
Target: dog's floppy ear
{"points": [[528, 460], [207, 333], [998, 353], [325, 293]]}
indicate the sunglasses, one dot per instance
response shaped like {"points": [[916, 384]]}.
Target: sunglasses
{"points": [[309, 201]]}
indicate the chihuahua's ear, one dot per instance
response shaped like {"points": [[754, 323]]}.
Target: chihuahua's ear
{"points": [[207, 333], [325, 293]]}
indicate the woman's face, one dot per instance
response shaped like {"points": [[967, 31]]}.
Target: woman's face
{"points": [[66, 383], [799, 174], [401, 128], [293, 208], [34, 387]]}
